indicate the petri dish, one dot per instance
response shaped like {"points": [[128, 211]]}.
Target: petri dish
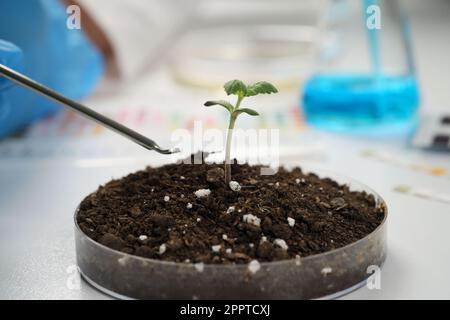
{"points": [[326, 275], [207, 58]]}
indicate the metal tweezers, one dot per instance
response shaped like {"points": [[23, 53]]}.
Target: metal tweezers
{"points": [[83, 110]]}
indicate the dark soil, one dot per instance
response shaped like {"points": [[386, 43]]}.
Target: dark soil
{"points": [[131, 214]]}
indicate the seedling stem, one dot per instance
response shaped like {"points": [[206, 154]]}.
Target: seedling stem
{"points": [[238, 88]]}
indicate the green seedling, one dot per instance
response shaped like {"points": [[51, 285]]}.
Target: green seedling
{"points": [[239, 89]]}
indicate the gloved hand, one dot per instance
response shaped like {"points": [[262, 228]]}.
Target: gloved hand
{"points": [[61, 58], [10, 56]]}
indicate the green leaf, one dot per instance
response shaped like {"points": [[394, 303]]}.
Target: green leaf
{"points": [[236, 87], [261, 87], [222, 103], [247, 111]]}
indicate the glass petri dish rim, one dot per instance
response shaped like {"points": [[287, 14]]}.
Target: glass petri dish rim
{"points": [[323, 173]]}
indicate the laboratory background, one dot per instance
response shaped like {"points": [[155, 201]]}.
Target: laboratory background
{"points": [[362, 92]]}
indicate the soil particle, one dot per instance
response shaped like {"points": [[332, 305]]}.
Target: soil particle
{"points": [[282, 231], [112, 241], [215, 177], [135, 211], [264, 250]]}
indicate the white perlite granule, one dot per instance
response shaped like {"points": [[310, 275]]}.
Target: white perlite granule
{"points": [[142, 237], [263, 239], [162, 248], [198, 219], [291, 222], [199, 266], [251, 219], [202, 193], [224, 237], [297, 181], [231, 209], [235, 186], [251, 245], [281, 243], [326, 271], [277, 184], [182, 195], [228, 250], [216, 248], [181, 177], [166, 198], [254, 266], [189, 205], [298, 260]]}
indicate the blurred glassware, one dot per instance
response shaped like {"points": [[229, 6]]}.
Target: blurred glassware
{"points": [[365, 79], [249, 40]]}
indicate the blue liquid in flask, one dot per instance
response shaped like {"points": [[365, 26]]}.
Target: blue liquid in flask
{"points": [[359, 102], [363, 103]]}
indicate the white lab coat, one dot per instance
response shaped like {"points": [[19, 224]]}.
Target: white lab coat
{"points": [[138, 28]]}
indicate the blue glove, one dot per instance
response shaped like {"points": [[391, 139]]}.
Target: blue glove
{"points": [[11, 56], [61, 58]]}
